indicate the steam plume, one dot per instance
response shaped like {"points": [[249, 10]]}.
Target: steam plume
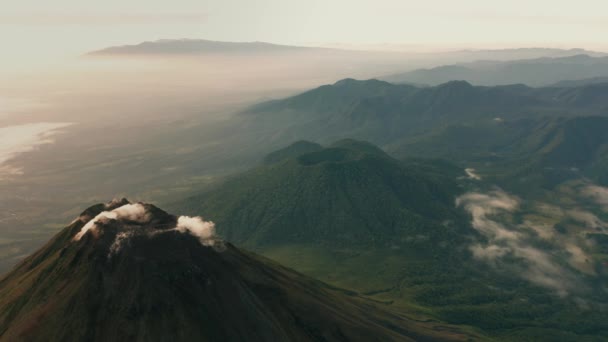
{"points": [[131, 212], [204, 230]]}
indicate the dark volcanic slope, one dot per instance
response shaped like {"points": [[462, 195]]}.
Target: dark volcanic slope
{"points": [[137, 278]]}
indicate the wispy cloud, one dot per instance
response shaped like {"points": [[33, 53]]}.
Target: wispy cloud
{"points": [[598, 193], [503, 240], [87, 19]]}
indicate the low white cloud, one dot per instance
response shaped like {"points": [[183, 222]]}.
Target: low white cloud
{"points": [[589, 219], [483, 206], [488, 253], [577, 256], [598, 193], [549, 210], [504, 239], [544, 230]]}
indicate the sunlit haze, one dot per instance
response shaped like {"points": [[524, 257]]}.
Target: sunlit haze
{"points": [[303, 170], [45, 32]]}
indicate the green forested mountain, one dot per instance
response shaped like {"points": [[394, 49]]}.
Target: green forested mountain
{"points": [[385, 113], [532, 152], [292, 151], [489, 127], [350, 193], [381, 112]]}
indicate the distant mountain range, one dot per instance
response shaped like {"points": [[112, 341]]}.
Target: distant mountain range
{"points": [[197, 46], [582, 82], [521, 53], [382, 112], [203, 46], [522, 154], [138, 273], [455, 120], [532, 72]]}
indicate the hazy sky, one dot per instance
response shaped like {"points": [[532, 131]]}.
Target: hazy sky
{"points": [[34, 30]]}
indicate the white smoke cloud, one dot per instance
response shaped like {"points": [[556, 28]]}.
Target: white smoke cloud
{"points": [[114, 202], [598, 193], [472, 174], [542, 270], [482, 206], [578, 258], [131, 212], [488, 253], [120, 239], [204, 230], [544, 230], [589, 219], [549, 210], [539, 266], [196, 226]]}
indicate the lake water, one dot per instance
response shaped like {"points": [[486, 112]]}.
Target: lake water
{"points": [[18, 139]]}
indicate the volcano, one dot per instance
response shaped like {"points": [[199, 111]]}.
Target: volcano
{"points": [[130, 271], [350, 194]]}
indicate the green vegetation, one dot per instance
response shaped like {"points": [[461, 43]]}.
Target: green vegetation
{"points": [[293, 150], [357, 218], [523, 138], [348, 194], [350, 215], [523, 155], [453, 290]]}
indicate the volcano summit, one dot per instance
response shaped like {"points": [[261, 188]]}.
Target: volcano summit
{"points": [[130, 271]]}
